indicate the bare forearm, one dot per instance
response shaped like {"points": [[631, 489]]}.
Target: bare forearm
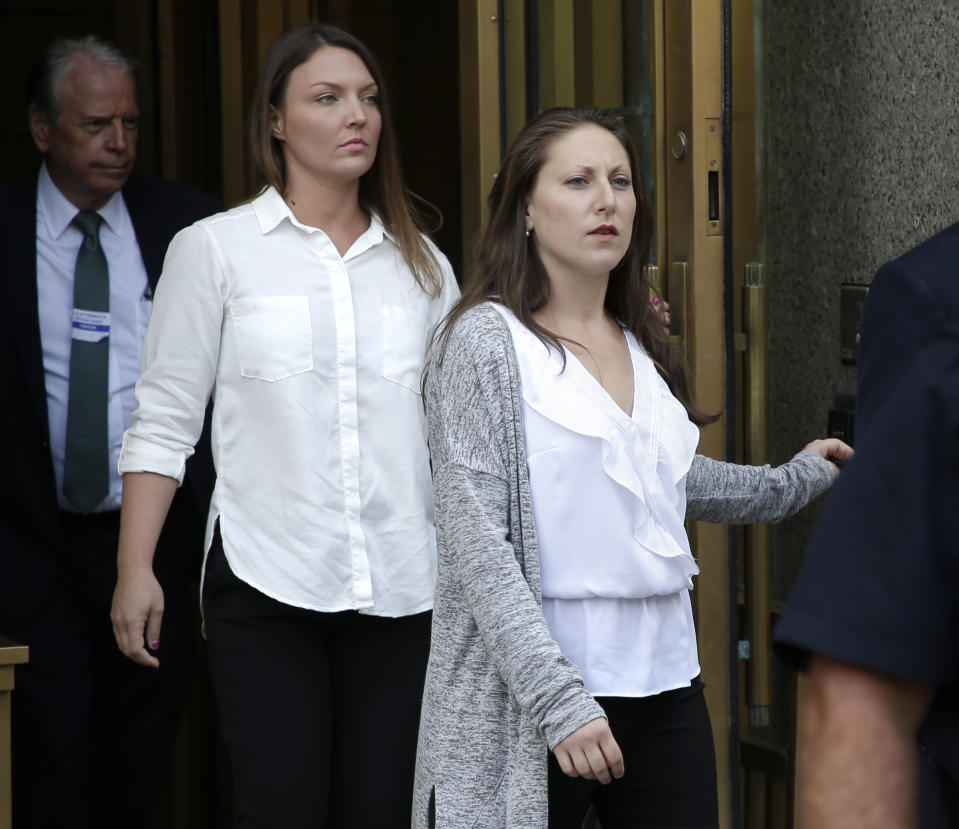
{"points": [[857, 748], [137, 608], [146, 502]]}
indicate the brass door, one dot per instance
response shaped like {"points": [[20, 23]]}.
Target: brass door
{"points": [[691, 104], [682, 74], [670, 67], [660, 64]]}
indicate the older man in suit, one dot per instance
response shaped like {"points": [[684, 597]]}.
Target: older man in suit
{"points": [[81, 247]]}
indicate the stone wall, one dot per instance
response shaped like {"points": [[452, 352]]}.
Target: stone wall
{"points": [[862, 163]]}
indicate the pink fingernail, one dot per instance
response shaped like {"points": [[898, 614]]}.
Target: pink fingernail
{"points": [[655, 301], [154, 644]]}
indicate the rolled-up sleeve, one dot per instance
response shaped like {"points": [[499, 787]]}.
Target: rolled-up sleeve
{"points": [[180, 356]]}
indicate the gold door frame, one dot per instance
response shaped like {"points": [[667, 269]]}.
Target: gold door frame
{"points": [[479, 111], [687, 82], [693, 80], [247, 28]]}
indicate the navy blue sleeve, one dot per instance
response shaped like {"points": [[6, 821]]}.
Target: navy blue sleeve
{"points": [[879, 587], [912, 301], [903, 315]]}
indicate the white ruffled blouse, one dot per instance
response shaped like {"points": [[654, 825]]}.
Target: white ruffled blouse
{"points": [[609, 501]]}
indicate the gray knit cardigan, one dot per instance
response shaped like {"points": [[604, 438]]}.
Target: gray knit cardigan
{"points": [[499, 694]]}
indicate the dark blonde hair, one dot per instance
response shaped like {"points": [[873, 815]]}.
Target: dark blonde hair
{"points": [[381, 187], [508, 269]]}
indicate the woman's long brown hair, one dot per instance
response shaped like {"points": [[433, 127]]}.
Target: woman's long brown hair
{"points": [[381, 187], [508, 269]]}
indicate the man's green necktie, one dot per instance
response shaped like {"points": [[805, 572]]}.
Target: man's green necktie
{"points": [[86, 476]]}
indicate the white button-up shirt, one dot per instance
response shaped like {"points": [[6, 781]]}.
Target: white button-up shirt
{"points": [[323, 488]]}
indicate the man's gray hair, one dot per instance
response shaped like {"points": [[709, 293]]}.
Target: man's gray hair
{"points": [[45, 90]]}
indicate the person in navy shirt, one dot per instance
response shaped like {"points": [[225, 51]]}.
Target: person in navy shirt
{"points": [[874, 616]]}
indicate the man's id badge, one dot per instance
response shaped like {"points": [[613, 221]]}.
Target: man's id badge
{"points": [[90, 326]]}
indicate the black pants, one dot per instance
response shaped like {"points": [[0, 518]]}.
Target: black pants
{"points": [[319, 711], [670, 762], [92, 730]]}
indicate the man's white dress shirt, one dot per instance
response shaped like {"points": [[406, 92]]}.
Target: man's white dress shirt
{"points": [[323, 488], [58, 242]]}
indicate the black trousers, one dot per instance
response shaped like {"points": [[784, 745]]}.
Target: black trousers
{"points": [[92, 730], [319, 711], [670, 762]]}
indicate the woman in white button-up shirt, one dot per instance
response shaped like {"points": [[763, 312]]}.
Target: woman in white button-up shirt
{"points": [[305, 315]]}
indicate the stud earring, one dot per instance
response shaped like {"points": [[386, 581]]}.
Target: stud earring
{"points": [[529, 227]]}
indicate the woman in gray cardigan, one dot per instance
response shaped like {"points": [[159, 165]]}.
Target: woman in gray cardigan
{"points": [[563, 444]]}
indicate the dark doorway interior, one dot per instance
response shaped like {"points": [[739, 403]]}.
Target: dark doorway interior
{"points": [[189, 153], [417, 45]]}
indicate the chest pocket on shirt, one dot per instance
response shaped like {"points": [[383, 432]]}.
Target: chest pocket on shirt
{"points": [[404, 345], [274, 337]]}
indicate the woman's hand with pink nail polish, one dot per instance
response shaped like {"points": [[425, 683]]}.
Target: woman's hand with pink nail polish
{"points": [[137, 614]]}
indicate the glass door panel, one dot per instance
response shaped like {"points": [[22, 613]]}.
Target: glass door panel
{"points": [[578, 52], [661, 65]]}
